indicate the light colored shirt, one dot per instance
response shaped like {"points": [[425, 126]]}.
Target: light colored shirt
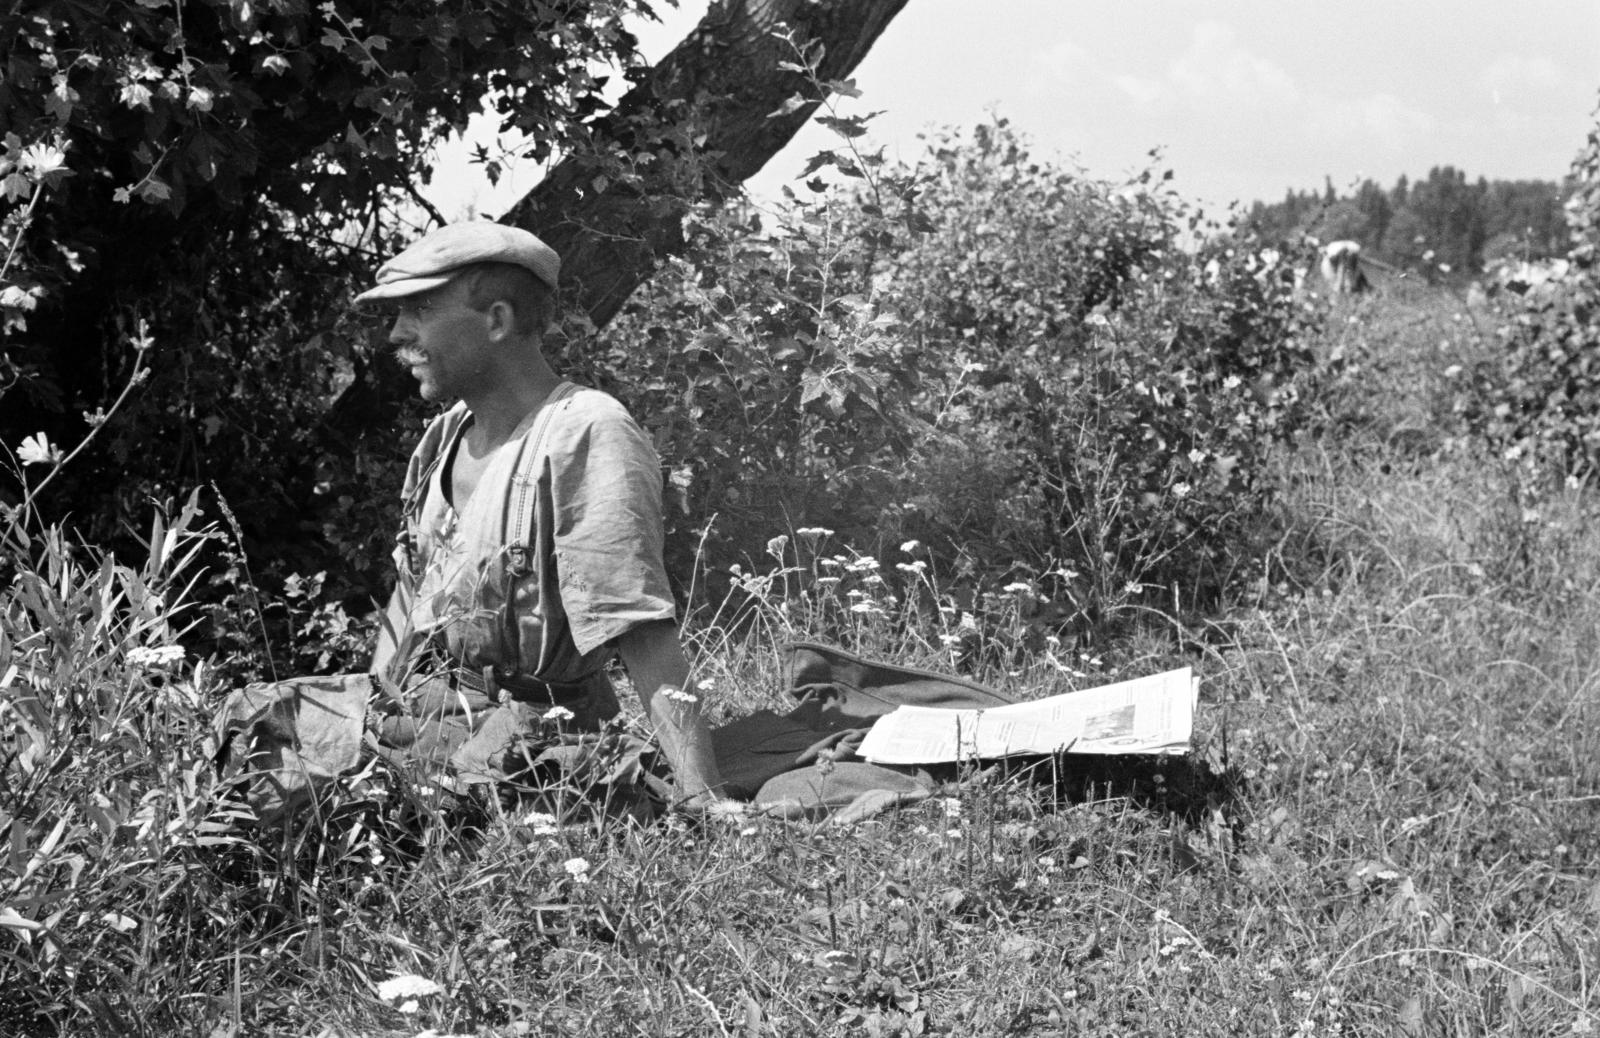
{"points": [[594, 563]]}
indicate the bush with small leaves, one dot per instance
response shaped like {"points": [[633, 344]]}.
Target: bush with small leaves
{"points": [[1538, 404], [1028, 370]]}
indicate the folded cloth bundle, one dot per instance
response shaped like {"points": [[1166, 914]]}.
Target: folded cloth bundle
{"points": [[803, 763]]}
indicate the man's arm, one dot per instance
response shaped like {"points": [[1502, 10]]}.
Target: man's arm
{"points": [[394, 626], [657, 668]]}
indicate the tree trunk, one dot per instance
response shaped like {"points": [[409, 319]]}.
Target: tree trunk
{"points": [[696, 128]]}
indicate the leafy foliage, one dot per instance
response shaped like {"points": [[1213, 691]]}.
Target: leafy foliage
{"points": [[1023, 368], [1539, 403], [103, 778], [210, 179]]}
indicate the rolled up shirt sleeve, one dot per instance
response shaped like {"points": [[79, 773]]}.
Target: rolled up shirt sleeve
{"points": [[606, 501]]}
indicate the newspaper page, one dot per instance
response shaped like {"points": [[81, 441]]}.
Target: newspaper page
{"points": [[1149, 715]]}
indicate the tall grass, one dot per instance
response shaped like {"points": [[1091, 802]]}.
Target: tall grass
{"points": [[1388, 824]]}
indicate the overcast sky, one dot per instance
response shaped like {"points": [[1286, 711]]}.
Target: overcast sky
{"points": [[1246, 98]]}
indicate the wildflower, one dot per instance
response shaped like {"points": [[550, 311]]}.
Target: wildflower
{"points": [[1132, 587], [159, 656], [407, 985], [814, 533], [1017, 587], [910, 546], [38, 450], [914, 567], [1181, 489], [776, 545], [865, 564], [1177, 944], [541, 823], [40, 159], [557, 714], [1196, 456], [952, 807], [865, 607], [950, 640], [678, 695], [578, 869]]}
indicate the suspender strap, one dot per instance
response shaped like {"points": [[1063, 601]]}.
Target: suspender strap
{"points": [[525, 482]]}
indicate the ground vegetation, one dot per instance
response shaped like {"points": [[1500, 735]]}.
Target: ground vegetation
{"points": [[1385, 825]]}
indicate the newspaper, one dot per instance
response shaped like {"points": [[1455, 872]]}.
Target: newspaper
{"points": [[1150, 715]]}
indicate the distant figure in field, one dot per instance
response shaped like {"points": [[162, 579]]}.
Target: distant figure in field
{"points": [[1341, 268]]}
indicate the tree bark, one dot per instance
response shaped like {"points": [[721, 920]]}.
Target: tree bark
{"points": [[695, 128]]}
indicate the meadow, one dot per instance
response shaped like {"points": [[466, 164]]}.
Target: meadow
{"points": [[1387, 824]]}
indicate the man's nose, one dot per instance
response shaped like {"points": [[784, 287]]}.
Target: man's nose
{"points": [[399, 331]]}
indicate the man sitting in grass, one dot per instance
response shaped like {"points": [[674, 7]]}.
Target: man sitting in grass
{"points": [[532, 550]]}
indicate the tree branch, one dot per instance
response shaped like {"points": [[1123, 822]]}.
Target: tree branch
{"points": [[696, 128]]}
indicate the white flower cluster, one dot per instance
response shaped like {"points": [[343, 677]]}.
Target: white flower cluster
{"points": [[408, 986], [157, 656], [541, 823]]}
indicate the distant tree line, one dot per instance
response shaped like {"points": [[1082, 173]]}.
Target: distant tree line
{"points": [[1442, 225]]}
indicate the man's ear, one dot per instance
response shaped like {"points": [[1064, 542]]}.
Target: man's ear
{"points": [[502, 319]]}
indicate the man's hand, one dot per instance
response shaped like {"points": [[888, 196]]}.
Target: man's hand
{"points": [[656, 666]]}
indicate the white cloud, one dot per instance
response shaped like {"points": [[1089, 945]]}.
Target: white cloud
{"points": [[1217, 69], [1214, 75], [1381, 119], [1513, 77], [1146, 93], [1063, 62]]}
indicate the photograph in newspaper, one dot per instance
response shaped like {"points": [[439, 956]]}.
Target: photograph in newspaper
{"points": [[1149, 715]]}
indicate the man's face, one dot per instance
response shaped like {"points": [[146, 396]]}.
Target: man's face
{"points": [[444, 342]]}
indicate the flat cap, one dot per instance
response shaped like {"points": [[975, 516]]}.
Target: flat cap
{"points": [[432, 260]]}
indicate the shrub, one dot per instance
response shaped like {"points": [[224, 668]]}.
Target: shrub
{"points": [[104, 780], [1025, 369], [1539, 402]]}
